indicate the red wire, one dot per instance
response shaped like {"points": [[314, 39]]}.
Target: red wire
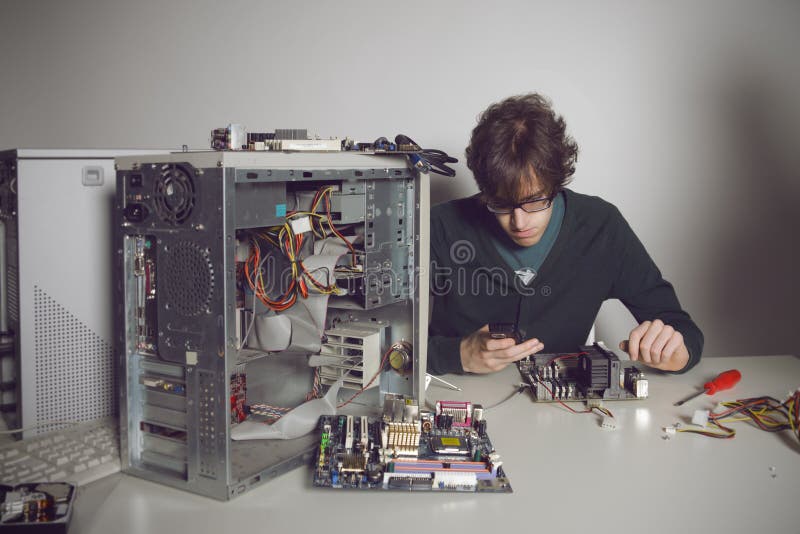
{"points": [[291, 246], [570, 408], [378, 372], [565, 356], [286, 300]]}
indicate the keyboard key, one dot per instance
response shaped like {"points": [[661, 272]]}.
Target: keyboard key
{"points": [[58, 475], [17, 460]]}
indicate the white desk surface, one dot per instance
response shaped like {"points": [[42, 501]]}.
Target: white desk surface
{"points": [[568, 474]]}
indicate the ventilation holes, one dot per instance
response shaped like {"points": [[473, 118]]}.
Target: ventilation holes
{"points": [[189, 279], [74, 366], [174, 195], [13, 291]]}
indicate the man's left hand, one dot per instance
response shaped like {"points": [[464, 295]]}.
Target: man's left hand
{"points": [[657, 345]]}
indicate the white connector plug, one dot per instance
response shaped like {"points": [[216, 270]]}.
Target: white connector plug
{"points": [[608, 423], [700, 418], [301, 225]]}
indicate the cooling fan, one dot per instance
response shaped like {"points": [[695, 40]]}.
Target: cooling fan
{"points": [[174, 194]]}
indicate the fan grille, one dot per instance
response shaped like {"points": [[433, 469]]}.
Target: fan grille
{"points": [[174, 195], [189, 279]]}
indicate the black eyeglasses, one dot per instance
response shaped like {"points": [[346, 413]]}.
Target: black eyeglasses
{"points": [[529, 206]]}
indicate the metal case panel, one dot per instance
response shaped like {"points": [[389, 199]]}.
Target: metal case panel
{"points": [[57, 207]]}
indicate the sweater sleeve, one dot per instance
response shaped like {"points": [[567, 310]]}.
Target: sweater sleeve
{"points": [[444, 355], [640, 286], [444, 348]]}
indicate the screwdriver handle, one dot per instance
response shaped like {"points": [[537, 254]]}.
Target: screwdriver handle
{"points": [[724, 381]]}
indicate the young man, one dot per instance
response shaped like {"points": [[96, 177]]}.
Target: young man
{"points": [[527, 248]]}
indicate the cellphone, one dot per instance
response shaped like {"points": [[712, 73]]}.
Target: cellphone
{"points": [[506, 330]]}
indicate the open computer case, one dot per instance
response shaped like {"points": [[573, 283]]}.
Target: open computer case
{"points": [[225, 263]]}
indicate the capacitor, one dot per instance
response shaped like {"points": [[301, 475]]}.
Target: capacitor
{"points": [[481, 428], [374, 475], [446, 421], [401, 358]]}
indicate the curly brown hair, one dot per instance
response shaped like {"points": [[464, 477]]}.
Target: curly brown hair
{"points": [[520, 147]]}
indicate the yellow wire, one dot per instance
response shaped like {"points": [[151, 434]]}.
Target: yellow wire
{"points": [[706, 431], [758, 414], [285, 231]]}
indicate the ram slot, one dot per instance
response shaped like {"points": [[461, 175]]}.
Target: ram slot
{"points": [[364, 427], [348, 440]]}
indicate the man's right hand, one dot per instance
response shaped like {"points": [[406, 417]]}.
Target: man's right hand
{"points": [[480, 353]]}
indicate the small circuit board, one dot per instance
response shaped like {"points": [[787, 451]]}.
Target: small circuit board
{"points": [[36, 507], [594, 372], [447, 450]]}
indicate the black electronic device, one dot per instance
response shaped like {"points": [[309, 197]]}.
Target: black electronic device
{"points": [[41, 507], [594, 372], [506, 330], [501, 330]]}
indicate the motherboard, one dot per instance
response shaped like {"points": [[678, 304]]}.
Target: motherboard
{"points": [[592, 373], [408, 449]]}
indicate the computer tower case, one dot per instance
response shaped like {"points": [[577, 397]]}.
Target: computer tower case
{"points": [[56, 359], [248, 282]]}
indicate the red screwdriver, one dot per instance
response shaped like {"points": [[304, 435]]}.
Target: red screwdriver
{"points": [[724, 381]]}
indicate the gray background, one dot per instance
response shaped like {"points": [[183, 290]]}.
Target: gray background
{"points": [[687, 113]]}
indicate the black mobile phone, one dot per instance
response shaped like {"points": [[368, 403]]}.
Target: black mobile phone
{"points": [[506, 330]]}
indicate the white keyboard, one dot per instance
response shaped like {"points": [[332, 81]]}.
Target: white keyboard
{"points": [[78, 454]]}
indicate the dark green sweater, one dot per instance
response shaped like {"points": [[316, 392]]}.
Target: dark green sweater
{"points": [[595, 257]]}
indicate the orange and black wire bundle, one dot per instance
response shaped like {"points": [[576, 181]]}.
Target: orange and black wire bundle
{"points": [[254, 268], [284, 239], [766, 413]]}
